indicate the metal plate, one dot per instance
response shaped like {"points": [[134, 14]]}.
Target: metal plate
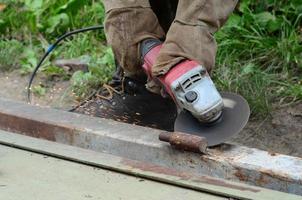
{"points": [[234, 117]]}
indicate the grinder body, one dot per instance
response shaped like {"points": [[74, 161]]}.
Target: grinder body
{"points": [[188, 83]]}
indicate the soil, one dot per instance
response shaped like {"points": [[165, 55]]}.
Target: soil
{"points": [[58, 94], [280, 133]]}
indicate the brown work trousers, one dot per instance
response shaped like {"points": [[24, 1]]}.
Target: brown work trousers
{"points": [[185, 26]]}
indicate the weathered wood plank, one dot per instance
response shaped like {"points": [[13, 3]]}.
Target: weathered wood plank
{"points": [[26, 175]]}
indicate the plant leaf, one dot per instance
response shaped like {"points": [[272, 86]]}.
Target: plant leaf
{"points": [[57, 20]]}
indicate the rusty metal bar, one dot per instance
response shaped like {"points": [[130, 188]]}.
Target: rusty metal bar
{"points": [[186, 142], [230, 162]]}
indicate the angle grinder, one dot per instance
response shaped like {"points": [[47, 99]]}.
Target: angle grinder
{"points": [[203, 111]]}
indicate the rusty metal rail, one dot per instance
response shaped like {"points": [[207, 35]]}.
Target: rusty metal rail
{"points": [[186, 142], [229, 162]]}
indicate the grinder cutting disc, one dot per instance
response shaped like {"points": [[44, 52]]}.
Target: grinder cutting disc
{"points": [[234, 117]]}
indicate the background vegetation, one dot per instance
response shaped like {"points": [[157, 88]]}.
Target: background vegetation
{"points": [[260, 51]]}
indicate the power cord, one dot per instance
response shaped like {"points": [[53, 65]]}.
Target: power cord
{"points": [[51, 48]]}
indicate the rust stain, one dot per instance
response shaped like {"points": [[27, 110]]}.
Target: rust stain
{"points": [[240, 175], [262, 180], [273, 154], [183, 175], [279, 175], [37, 129]]}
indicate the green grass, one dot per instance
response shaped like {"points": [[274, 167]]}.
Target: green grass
{"points": [[260, 53], [10, 54], [28, 27], [259, 56]]}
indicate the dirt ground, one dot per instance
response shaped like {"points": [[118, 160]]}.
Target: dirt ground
{"points": [[59, 95], [281, 132]]}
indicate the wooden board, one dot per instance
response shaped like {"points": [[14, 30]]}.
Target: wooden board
{"points": [[27, 176], [127, 167]]}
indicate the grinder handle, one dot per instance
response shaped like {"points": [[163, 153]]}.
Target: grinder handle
{"points": [[149, 50]]}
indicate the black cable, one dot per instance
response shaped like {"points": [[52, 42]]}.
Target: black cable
{"points": [[51, 48]]}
